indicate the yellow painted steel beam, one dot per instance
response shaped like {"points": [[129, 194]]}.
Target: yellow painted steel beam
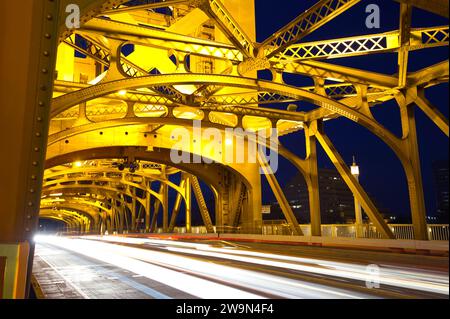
{"points": [[149, 6], [63, 103], [216, 10], [404, 43], [279, 195], [177, 207], [89, 189], [206, 217], [237, 212], [161, 39], [88, 9], [89, 207], [433, 113], [412, 166], [93, 172], [95, 51], [339, 73], [428, 76], [156, 209], [79, 182], [315, 17], [368, 44], [15, 268]]}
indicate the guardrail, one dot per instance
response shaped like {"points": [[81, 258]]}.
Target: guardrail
{"points": [[401, 231], [436, 232]]}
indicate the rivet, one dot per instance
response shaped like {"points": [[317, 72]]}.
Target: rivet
{"points": [[35, 163], [37, 149], [33, 177], [32, 191], [48, 35], [49, 17], [44, 71], [29, 217], [30, 204], [43, 88], [41, 103], [39, 119], [27, 229], [46, 53], [38, 134]]}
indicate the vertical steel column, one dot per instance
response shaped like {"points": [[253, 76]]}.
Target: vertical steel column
{"points": [[313, 183], [133, 211], [188, 202], [28, 33], [413, 169]]}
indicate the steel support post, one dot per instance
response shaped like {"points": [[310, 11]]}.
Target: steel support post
{"points": [[281, 198], [313, 182], [413, 170], [27, 62]]}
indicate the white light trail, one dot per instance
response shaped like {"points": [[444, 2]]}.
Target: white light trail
{"points": [[405, 278], [259, 282], [115, 255]]}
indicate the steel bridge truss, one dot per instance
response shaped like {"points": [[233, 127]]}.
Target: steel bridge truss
{"points": [[210, 76]]}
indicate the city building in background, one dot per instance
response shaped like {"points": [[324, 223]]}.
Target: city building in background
{"points": [[440, 169], [336, 207]]}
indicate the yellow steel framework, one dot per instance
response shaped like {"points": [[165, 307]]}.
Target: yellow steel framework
{"points": [[138, 74]]}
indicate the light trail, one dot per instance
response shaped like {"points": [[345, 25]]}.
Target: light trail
{"points": [[410, 279], [115, 255], [206, 271]]}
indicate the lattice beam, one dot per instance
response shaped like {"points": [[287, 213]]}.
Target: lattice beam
{"points": [[367, 44], [318, 15]]}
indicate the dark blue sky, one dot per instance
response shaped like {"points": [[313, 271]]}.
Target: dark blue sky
{"points": [[382, 174]]}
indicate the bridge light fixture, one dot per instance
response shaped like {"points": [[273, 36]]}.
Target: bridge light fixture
{"points": [[77, 164], [355, 168], [122, 92]]}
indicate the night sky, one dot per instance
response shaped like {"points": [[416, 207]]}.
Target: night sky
{"points": [[381, 172]]}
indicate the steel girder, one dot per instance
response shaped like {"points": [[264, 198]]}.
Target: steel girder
{"points": [[362, 45], [318, 15]]}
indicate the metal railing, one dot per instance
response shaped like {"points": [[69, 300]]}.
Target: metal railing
{"points": [[401, 231]]}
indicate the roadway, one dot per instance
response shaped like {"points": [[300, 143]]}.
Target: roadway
{"points": [[148, 268]]}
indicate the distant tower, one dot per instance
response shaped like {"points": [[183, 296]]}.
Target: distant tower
{"points": [[358, 211]]}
